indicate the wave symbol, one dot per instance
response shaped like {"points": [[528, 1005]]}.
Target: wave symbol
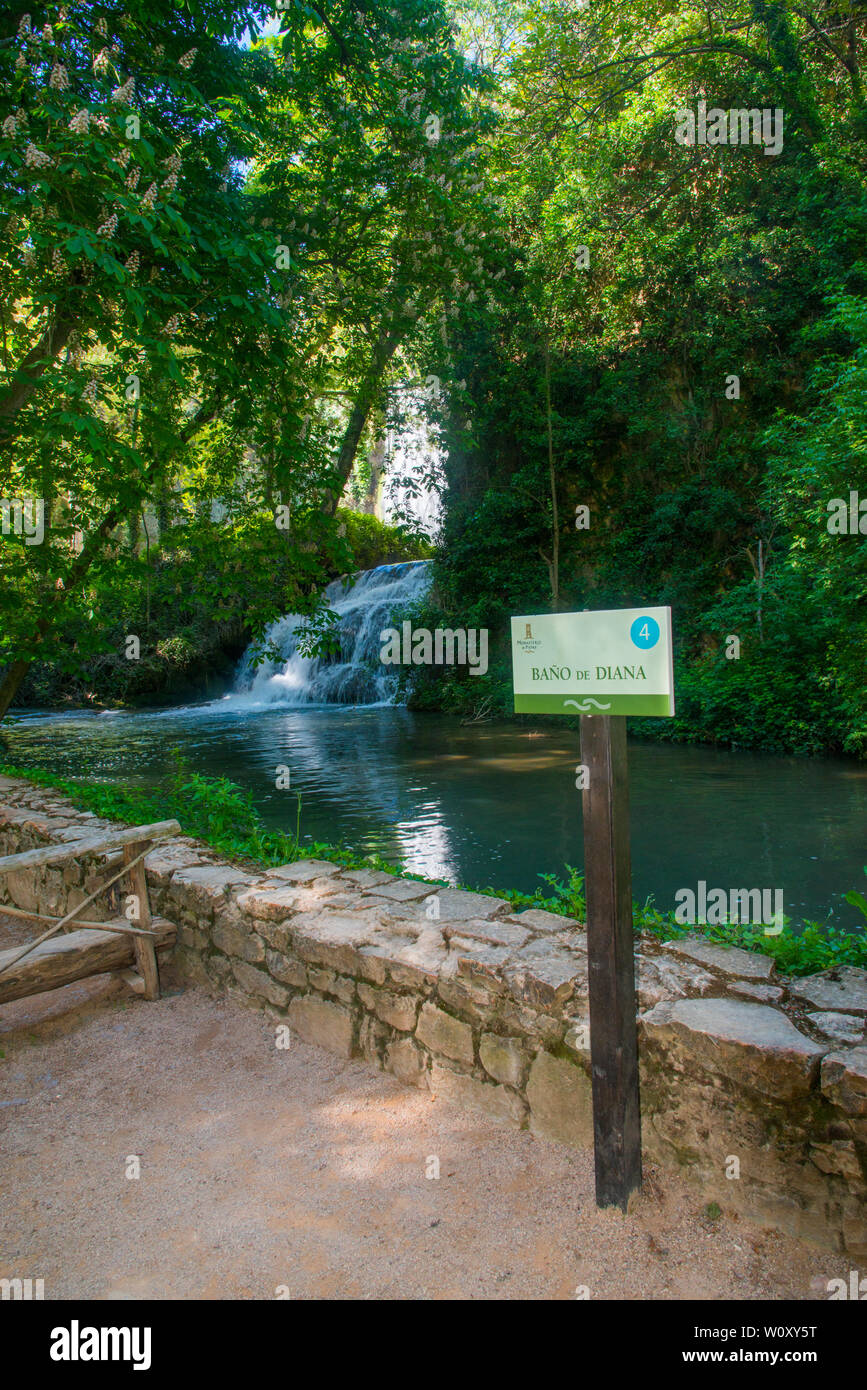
{"points": [[585, 708]]}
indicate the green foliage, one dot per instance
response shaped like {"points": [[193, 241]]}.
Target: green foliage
{"points": [[373, 542], [212, 809], [612, 377]]}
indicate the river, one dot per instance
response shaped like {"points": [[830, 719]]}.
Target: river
{"points": [[492, 804]]}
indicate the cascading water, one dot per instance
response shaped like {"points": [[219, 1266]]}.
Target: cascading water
{"points": [[354, 675]]}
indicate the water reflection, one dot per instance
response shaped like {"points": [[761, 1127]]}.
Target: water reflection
{"points": [[494, 805]]}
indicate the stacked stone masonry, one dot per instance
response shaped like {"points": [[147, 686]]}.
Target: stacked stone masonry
{"points": [[488, 1008]]}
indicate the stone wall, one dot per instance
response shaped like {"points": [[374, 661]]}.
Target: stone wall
{"points": [[752, 1084]]}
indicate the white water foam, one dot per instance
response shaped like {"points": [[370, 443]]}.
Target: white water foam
{"points": [[354, 675]]}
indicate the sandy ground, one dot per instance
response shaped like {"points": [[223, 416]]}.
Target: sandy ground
{"points": [[266, 1170]]}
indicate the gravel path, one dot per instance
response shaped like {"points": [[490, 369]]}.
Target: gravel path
{"points": [[264, 1169]]}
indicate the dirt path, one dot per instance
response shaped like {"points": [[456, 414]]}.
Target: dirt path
{"points": [[263, 1168]]}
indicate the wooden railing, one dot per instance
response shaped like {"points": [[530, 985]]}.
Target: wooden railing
{"points": [[95, 947]]}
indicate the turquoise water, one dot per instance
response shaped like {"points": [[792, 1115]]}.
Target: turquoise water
{"points": [[493, 804]]}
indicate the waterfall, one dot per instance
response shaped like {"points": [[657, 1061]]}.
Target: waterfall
{"points": [[352, 676]]}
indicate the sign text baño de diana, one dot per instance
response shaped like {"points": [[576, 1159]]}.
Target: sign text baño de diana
{"points": [[613, 662]]}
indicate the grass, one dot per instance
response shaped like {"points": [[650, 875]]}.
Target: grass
{"points": [[222, 815]]}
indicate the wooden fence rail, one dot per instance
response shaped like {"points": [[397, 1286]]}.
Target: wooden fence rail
{"points": [[47, 964]]}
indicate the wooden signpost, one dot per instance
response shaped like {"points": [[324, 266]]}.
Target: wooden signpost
{"points": [[603, 665]]}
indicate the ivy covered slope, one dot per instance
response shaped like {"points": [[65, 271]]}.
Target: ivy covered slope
{"points": [[682, 349]]}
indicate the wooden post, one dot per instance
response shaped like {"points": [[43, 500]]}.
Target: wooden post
{"points": [[613, 1030], [145, 951]]}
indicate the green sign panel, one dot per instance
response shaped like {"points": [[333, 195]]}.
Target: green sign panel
{"points": [[613, 662]]}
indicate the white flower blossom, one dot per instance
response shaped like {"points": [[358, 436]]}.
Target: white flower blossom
{"points": [[108, 228], [9, 128], [36, 158], [150, 197], [101, 61], [187, 60], [124, 94], [132, 264], [159, 51], [24, 27], [89, 392], [58, 264], [59, 78], [101, 26], [21, 61], [173, 324], [101, 123], [173, 163], [133, 177], [28, 259], [171, 183], [47, 33], [80, 123], [124, 157]]}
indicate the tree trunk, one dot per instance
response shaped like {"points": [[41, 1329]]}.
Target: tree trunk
{"points": [[554, 566], [25, 378], [386, 346], [10, 685]]}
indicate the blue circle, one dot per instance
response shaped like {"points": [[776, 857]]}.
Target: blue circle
{"points": [[645, 633]]}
